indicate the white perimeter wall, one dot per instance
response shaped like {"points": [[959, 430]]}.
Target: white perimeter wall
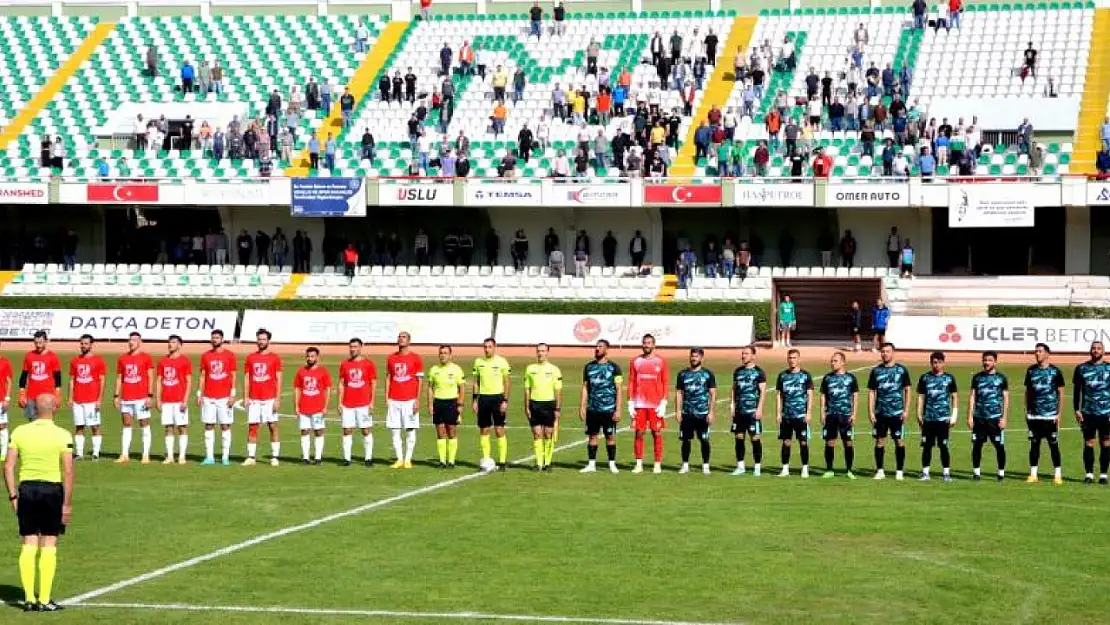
{"points": [[595, 221], [871, 226]]}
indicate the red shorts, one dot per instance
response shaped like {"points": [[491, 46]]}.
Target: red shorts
{"points": [[647, 419]]}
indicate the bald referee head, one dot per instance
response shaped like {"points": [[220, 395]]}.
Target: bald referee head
{"points": [[40, 498]]}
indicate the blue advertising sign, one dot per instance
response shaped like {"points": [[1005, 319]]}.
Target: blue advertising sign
{"points": [[328, 197]]}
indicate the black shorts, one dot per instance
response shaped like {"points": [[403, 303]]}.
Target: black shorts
{"points": [[1095, 426], [794, 428], [445, 411], [837, 426], [742, 423], [889, 426], [693, 427], [934, 433], [598, 422], [987, 430], [542, 413], [907, 267], [1040, 429], [855, 330], [40, 509], [880, 333], [489, 411]]}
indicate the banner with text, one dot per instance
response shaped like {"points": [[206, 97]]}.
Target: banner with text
{"points": [[1098, 194], [155, 325], [328, 197], [624, 330], [413, 193], [371, 327], [24, 193], [614, 194], [999, 334], [869, 195], [778, 194], [244, 193], [990, 206], [503, 194]]}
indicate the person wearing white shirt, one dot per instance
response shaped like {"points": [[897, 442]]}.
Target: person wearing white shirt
{"points": [[862, 38], [901, 165], [424, 145], [543, 132], [655, 97], [973, 139], [813, 110], [484, 59], [730, 123], [362, 38], [942, 15], [561, 167]]}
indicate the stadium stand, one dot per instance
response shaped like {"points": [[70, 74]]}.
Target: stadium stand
{"points": [[971, 296], [91, 280]]}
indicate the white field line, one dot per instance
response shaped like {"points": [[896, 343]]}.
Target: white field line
{"points": [[292, 529], [431, 616]]}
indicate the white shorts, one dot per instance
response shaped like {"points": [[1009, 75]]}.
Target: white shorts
{"points": [[311, 421], [175, 415], [136, 409], [213, 411], [3, 417], [356, 417], [86, 414], [401, 415], [261, 411]]}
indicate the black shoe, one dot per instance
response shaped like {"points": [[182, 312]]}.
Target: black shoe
{"points": [[450, 465], [440, 465], [96, 458], [30, 606], [502, 467], [1000, 478], [346, 463], [1102, 481], [547, 468], [306, 462], [49, 607], [368, 463], [317, 462], [537, 468], [1088, 480], [976, 478]]}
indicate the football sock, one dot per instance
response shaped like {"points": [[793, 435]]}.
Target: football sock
{"points": [[705, 449], [739, 447], [1103, 460], [657, 445], [554, 441], [125, 441], [976, 455], [503, 449], [4, 442], [900, 456], [805, 455], [611, 451], [252, 449], [1000, 453], [1054, 451], [1034, 453], [880, 457], [926, 456], [98, 440], [410, 444], [441, 450], [27, 571], [1088, 459], [225, 438], [398, 447], [318, 446], [452, 449], [348, 442], [945, 457], [48, 564], [549, 448], [591, 451], [537, 448], [785, 456], [685, 451], [484, 444], [829, 455], [275, 449], [169, 445], [367, 446], [182, 445], [78, 443], [849, 456], [209, 443], [638, 447], [757, 451], [147, 440], [306, 445]]}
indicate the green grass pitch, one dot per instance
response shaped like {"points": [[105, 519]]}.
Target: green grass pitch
{"points": [[570, 548]]}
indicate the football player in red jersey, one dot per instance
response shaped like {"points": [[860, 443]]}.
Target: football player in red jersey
{"points": [[311, 392], [404, 377], [358, 382], [647, 401], [262, 379], [42, 374], [216, 396], [87, 373], [134, 392], [171, 392]]}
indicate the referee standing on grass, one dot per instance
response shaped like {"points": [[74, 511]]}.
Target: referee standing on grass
{"points": [[40, 498]]}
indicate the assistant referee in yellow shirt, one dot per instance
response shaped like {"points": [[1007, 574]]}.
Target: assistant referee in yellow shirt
{"points": [[543, 401], [40, 498]]}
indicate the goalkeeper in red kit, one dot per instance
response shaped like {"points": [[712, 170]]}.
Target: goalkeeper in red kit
{"points": [[647, 403]]}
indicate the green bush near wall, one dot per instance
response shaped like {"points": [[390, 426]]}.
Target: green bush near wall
{"points": [[760, 311], [1049, 312]]}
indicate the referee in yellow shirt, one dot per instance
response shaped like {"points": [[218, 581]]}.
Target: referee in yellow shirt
{"points": [[446, 381], [543, 400], [40, 498], [491, 399]]}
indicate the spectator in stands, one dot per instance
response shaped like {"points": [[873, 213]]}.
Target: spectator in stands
{"points": [[581, 259], [69, 250], [312, 94], [279, 247], [955, 8], [499, 82], [362, 38], [862, 38], [848, 249], [919, 9], [350, 260], [519, 250], [262, 248], [410, 87], [347, 106], [519, 82], [550, 241], [1102, 164], [855, 322], [300, 258], [445, 55], [560, 15], [791, 132], [384, 86], [788, 321], [555, 264], [711, 42], [712, 259], [676, 47], [492, 246], [103, 171], [244, 244], [1025, 136], [151, 62], [393, 248], [880, 317], [188, 76], [926, 164], [656, 48], [425, 10], [313, 152], [684, 267], [761, 158], [507, 167], [942, 16], [1036, 160], [1030, 62], [825, 243], [593, 51], [329, 152], [900, 166], [535, 19], [907, 257], [217, 77], [637, 249]]}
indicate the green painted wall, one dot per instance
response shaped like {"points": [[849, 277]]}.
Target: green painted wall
{"points": [[262, 9], [168, 11], [105, 13]]}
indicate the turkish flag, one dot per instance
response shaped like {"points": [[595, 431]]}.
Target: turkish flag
{"points": [[682, 194], [115, 193]]}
